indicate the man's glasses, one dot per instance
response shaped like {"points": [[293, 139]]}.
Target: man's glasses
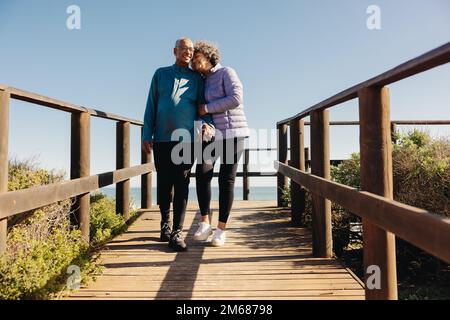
{"points": [[189, 49]]}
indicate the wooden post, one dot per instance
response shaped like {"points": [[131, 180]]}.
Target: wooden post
{"points": [[320, 166], [4, 137], [376, 177], [146, 180], [245, 184], [80, 167], [297, 132], [123, 161], [282, 157], [307, 160]]}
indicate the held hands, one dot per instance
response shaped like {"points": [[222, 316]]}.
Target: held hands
{"points": [[201, 110], [207, 132], [147, 146]]}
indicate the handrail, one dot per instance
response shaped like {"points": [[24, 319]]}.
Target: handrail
{"points": [[429, 60], [420, 227], [16, 202], [383, 218], [81, 183], [34, 98]]}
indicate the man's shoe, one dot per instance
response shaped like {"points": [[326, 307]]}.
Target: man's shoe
{"points": [[218, 238], [176, 241], [165, 232], [203, 232]]}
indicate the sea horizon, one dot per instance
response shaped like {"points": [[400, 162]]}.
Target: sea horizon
{"points": [[256, 193]]}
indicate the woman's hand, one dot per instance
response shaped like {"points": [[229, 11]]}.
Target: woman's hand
{"points": [[201, 110]]}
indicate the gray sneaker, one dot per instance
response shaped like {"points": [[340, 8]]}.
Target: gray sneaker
{"points": [[176, 241]]}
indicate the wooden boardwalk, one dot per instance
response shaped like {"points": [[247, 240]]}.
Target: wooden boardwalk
{"points": [[264, 258]]}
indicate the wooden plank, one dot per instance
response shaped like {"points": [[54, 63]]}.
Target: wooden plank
{"points": [[80, 160], [424, 229], [376, 177], [15, 202], [41, 100], [297, 132], [38, 99], [4, 139], [259, 269], [146, 179], [282, 157], [320, 166], [123, 161], [427, 61], [228, 295], [421, 122], [115, 117]]}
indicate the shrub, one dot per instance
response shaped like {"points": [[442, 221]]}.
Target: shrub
{"points": [[286, 195], [105, 222], [42, 244], [422, 172], [39, 251], [26, 174]]}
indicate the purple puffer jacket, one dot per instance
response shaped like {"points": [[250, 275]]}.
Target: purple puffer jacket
{"points": [[224, 101]]}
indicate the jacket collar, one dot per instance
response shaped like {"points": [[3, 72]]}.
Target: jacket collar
{"points": [[181, 69], [217, 67]]}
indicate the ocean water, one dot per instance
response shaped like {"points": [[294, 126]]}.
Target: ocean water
{"points": [[256, 193]]}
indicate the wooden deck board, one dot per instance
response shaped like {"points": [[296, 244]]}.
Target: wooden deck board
{"points": [[264, 258]]}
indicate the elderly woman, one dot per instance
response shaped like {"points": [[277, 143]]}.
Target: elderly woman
{"points": [[224, 101]]}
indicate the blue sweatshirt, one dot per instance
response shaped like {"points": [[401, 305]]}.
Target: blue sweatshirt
{"points": [[175, 93]]}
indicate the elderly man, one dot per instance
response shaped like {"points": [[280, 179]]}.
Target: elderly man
{"points": [[172, 102]]}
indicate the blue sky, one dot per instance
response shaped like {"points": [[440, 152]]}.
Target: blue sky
{"points": [[288, 54]]}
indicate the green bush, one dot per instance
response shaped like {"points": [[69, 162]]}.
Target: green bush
{"points": [[26, 174], [39, 251], [42, 244], [422, 172], [105, 222], [286, 195]]}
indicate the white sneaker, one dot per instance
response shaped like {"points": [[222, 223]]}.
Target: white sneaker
{"points": [[218, 238], [203, 232]]}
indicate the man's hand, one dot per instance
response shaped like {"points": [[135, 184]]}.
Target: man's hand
{"points": [[147, 146], [201, 110]]}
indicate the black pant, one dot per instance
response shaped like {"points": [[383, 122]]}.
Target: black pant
{"points": [[172, 174], [229, 151]]}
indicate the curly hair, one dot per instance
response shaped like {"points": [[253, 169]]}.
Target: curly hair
{"points": [[209, 50]]}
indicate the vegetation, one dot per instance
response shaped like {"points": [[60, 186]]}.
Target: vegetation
{"points": [[421, 172], [42, 244]]}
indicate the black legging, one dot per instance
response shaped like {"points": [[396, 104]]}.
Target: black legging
{"points": [[171, 175], [229, 151]]}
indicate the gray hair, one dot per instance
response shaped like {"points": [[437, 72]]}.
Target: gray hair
{"points": [[177, 43], [209, 50]]}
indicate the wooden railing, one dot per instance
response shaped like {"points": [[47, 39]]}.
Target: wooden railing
{"points": [[383, 218], [81, 183]]}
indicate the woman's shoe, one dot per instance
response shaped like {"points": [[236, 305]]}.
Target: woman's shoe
{"points": [[218, 238], [203, 232]]}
